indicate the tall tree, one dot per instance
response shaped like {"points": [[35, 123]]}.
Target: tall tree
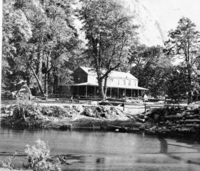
{"points": [[39, 40], [184, 43], [176, 83], [109, 33], [16, 29], [149, 65]]}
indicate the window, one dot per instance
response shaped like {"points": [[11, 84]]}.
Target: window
{"points": [[129, 82], [124, 82]]}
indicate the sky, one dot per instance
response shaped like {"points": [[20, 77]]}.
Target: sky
{"points": [[168, 12]]}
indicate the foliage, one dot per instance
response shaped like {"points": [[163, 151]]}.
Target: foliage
{"points": [[26, 114], [150, 66], [109, 33], [8, 162], [39, 157], [56, 111], [39, 42], [15, 30], [176, 83], [184, 43]]}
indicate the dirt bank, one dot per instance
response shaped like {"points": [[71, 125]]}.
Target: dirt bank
{"points": [[177, 121], [65, 117]]}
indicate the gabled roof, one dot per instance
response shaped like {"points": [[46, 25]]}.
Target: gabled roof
{"points": [[113, 74]]}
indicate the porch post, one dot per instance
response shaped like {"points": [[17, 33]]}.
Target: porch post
{"points": [[118, 93], [110, 92], [86, 90]]}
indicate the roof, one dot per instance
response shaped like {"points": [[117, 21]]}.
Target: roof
{"points": [[113, 74], [115, 86]]}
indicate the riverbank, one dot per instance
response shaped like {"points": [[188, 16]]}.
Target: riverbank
{"points": [[174, 121], [168, 121], [171, 121], [5, 169], [63, 117]]}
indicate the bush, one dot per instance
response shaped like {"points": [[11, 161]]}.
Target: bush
{"points": [[39, 157], [8, 162], [55, 111]]}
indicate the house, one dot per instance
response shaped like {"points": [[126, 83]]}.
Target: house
{"points": [[119, 84]]}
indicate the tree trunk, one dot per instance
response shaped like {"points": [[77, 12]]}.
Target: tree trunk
{"points": [[39, 74], [105, 86], [46, 77], [46, 83], [38, 81], [101, 77], [189, 83], [55, 84], [40, 66], [101, 89]]}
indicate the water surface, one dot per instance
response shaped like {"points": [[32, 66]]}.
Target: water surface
{"points": [[109, 150]]}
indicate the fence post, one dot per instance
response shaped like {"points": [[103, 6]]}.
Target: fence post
{"points": [[123, 106]]}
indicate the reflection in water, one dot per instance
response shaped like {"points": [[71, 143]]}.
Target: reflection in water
{"points": [[100, 160], [164, 150], [105, 150], [163, 144]]}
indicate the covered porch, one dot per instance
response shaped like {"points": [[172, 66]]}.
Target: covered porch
{"points": [[91, 91]]}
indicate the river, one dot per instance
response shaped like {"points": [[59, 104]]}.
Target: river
{"points": [[93, 150]]}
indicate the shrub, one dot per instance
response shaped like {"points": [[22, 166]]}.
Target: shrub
{"points": [[39, 157], [7, 163]]}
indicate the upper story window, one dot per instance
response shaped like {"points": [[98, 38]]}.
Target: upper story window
{"points": [[129, 82], [124, 82], [111, 81], [108, 81], [136, 83]]}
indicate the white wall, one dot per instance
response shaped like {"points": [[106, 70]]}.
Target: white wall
{"points": [[115, 81]]}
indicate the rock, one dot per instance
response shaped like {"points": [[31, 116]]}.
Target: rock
{"points": [[153, 128], [95, 103], [78, 108], [65, 127], [24, 93], [179, 115], [88, 112], [193, 106], [142, 127]]}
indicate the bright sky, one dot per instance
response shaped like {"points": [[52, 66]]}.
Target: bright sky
{"points": [[168, 12]]}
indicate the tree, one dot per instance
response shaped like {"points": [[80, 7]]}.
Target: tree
{"points": [[16, 29], [149, 65], [109, 33], [184, 43], [40, 41], [176, 83]]}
